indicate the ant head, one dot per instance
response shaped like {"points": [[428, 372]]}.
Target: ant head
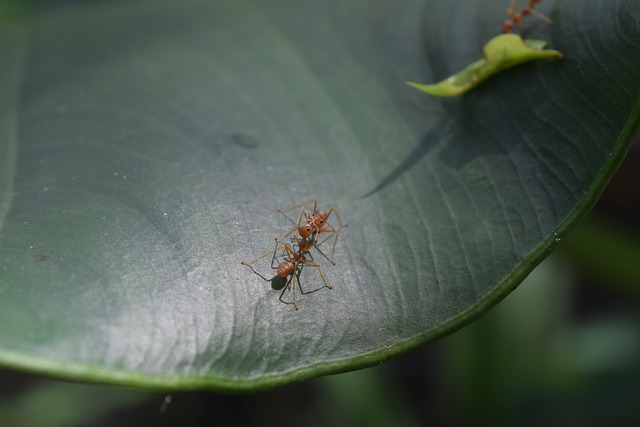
{"points": [[305, 230], [320, 217], [302, 244]]}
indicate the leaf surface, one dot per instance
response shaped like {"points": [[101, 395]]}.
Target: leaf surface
{"points": [[146, 146]]}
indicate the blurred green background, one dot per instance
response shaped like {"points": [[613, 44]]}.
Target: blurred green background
{"points": [[563, 349]]}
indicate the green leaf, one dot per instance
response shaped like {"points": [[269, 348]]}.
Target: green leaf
{"points": [[500, 53], [146, 146]]}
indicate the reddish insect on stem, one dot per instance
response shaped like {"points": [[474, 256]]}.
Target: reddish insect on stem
{"points": [[516, 14]]}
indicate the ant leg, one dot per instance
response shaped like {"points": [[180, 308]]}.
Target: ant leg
{"points": [[290, 254], [303, 245], [288, 286], [317, 246], [303, 213], [317, 266], [309, 242], [333, 248], [342, 224], [333, 230], [261, 276], [296, 275], [304, 205], [540, 16], [258, 274], [296, 224], [329, 229], [313, 241], [274, 261], [248, 263], [287, 252]]}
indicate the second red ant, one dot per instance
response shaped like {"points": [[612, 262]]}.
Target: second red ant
{"points": [[516, 14]]}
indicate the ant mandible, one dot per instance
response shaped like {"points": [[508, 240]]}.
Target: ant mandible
{"points": [[516, 13], [290, 267], [314, 223]]}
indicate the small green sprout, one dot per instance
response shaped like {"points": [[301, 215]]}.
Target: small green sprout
{"points": [[501, 52]]}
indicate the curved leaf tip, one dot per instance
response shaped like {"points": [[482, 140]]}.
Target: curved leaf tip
{"points": [[501, 52]]}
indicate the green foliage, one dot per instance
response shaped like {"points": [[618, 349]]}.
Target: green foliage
{"points": [[146, 145]]}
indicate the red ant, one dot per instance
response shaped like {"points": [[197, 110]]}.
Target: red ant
{"points": [[314, 224], [290, 267], [516, 13]]}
